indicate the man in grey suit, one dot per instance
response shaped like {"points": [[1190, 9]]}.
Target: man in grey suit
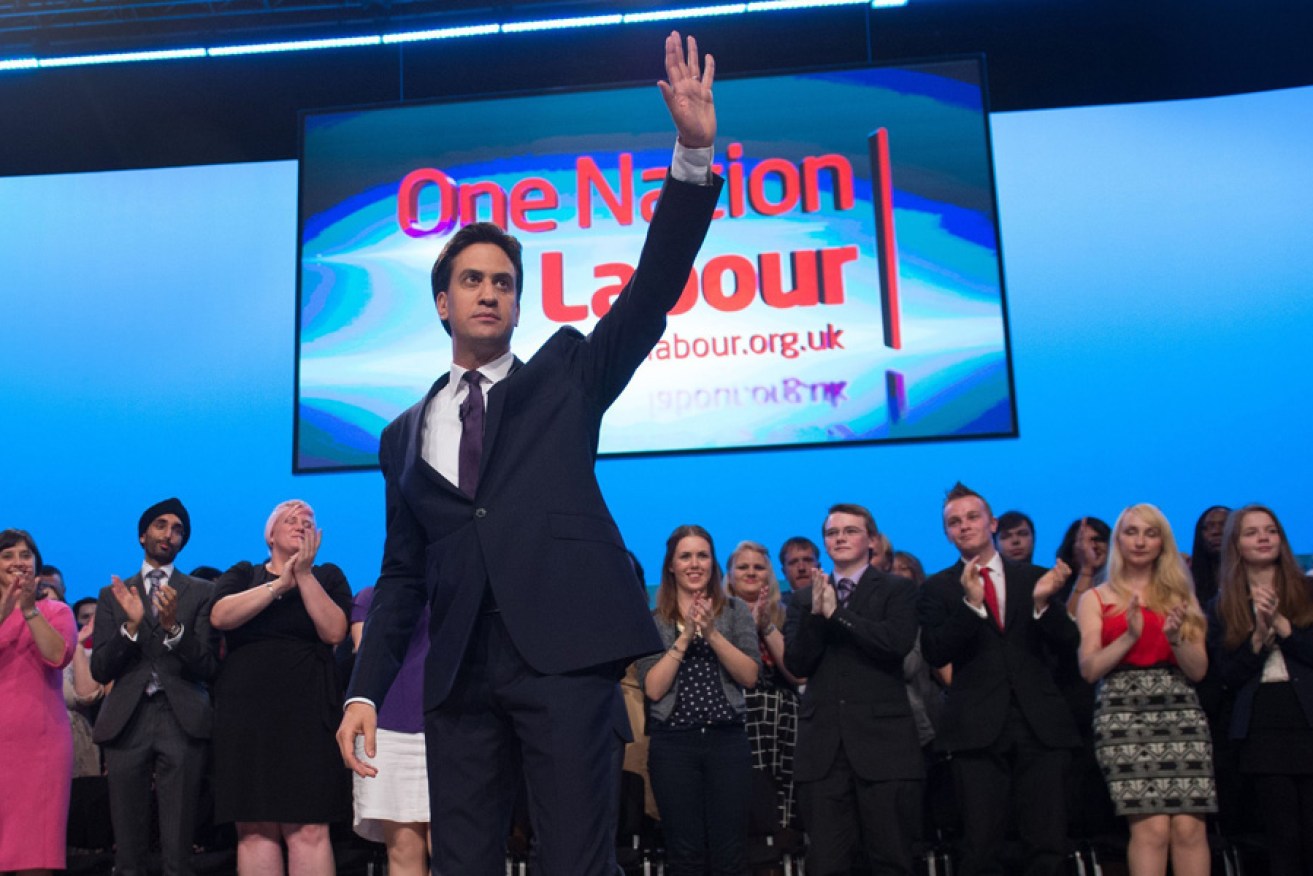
{"points": [[153, 641]]}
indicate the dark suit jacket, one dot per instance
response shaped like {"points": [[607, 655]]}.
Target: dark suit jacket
{"points": [[853, 663], [990, 666], [183, 671], [1241, 670], [538, 532]]}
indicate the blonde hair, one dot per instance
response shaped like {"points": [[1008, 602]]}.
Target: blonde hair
{"points": [[1170, 584], [279, 510], [770, 588]]}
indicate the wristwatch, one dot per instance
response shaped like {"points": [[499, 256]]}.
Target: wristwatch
{"points": [[31, 613]]}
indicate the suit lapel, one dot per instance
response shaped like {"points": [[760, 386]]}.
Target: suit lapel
{"points": [[496, 406]]}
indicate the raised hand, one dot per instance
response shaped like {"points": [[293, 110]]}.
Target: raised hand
{"points": [[1135, 617], [85, 634], [687, 92], [304, 560], [1050, 583], [129, 600], [972, 584]]}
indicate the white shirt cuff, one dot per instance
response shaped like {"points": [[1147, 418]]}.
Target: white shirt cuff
{"points": [[978, 610], [364, 700], [171, 642], [124, 631], [691, 165]]}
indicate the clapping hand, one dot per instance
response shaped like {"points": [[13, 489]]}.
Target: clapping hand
{"points": [[303, 560], [87, 632], [687, 92], [129, 600], [824, 599], [166, 606], [1172, 624], [1265, 614], [972, 584], [1050, 583], [699, 616], [1134, 617]]}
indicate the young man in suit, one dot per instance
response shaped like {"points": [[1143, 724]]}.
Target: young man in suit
{"points": [[495, 517], [858, 760], [153, 642], [1005, 722]]}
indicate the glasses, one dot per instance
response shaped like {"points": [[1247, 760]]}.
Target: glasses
{"points": [[849, 531]]}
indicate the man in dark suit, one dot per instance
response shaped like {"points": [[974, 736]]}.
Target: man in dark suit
{"points": [[153, 642], [1005, 722], [494, 516], [858, 762]]}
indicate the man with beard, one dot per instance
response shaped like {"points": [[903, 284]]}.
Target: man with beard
{"points": [[153, 641]]}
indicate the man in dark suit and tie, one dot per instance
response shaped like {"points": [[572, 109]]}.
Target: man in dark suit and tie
{"points": [[495, 517], [1005, 722], [153, 642], [857, 762]]}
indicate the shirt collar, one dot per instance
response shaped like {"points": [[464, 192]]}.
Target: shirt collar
{"points": [[147, 568], [494, 372]]}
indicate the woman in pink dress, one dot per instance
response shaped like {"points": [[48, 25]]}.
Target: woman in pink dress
{"points": [[36, 742]]}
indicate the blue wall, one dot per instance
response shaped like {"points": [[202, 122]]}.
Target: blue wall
{"points": [[1158, 263]]}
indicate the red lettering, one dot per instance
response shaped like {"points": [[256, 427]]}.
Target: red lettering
{"points": [[647, 204], [787, 174], [745, 282], [408, 193], [469, 202], [554, 306], [588, 176], [832, 261], [841, 180], [533, 193], [734, 180], [806, 285]]}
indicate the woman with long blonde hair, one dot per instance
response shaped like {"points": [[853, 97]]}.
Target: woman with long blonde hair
{"points": [[1261, 632], [1142, 638]]}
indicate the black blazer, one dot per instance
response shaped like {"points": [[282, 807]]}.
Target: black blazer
{"points": [[853, 663], [183, 672], [538, 532], [1241, 670], [990, 666]]}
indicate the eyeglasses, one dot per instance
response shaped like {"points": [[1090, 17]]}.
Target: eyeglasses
{"points": [[849, 531]]}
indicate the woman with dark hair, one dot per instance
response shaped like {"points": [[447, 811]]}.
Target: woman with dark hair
{"points": [[277, 702], [1206, 553], [36, 743], [699, 757], [1261, 632], [1142, 637], [773, 703], [1084, 548]]}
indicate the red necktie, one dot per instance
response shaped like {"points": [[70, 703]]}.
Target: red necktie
{"points": [[991, 595]]}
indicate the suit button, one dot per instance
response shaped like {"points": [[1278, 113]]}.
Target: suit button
{"points": [[480, 513]]}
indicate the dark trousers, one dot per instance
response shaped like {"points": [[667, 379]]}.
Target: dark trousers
{"points": [[1287, 806], [700, 779], [504, 721], [1016, 775], [153, 744], [844, 813]]}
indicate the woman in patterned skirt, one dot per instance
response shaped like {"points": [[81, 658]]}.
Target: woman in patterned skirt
{"points": [[1142, 634]]}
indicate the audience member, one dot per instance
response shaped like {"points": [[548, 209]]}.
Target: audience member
{"points": [[82, 693], [277, 700], [798, 556], [50, 583], [858, 766], [1084, 549], [924, 684], [1142, 633], [1004, 722], [1016, 537], [1206, 552], [36, 746], [699, 758], [1261, 632], [773, 703], [153, 644], [393, 807]]}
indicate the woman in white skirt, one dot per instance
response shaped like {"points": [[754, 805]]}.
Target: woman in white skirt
{"points": [[393, 806]]}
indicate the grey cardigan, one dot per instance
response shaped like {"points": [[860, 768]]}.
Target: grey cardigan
{"points": [[735, 624]]}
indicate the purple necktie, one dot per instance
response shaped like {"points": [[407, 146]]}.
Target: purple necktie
{"points": [[471, 433], [843, 588]]}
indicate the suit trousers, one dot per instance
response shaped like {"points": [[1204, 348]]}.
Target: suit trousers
{"points": [[1017, 775], [846, 815], [701, 779], [504, 725], [153, 744]]}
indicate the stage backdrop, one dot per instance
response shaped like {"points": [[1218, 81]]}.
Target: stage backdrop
{"points": [[849, 290], [1160, 302]]}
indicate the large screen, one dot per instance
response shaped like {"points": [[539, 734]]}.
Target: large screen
{"points": [[850, 289]]}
